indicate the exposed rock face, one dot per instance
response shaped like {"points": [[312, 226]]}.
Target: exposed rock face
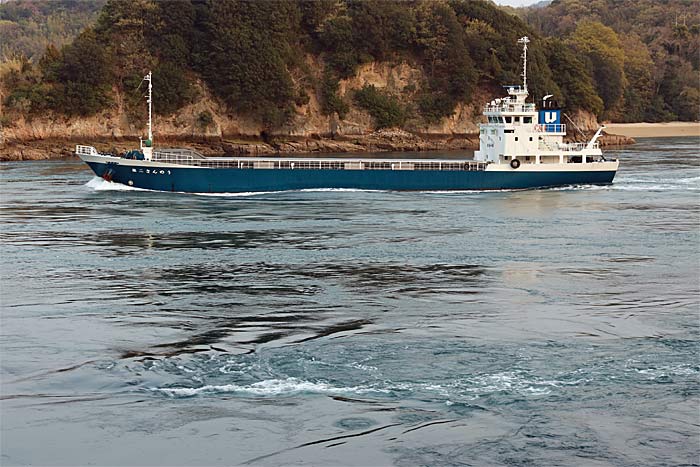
{"points": [[586, 121], [607, 140], [310, 131]]}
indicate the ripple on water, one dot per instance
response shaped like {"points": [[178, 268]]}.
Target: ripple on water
{"points": [[542, 327]]}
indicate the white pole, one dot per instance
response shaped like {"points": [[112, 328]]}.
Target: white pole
{"points": [[150, 100], [148, 147], [524, 40]]}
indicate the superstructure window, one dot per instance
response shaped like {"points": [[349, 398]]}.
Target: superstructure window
{"points": [[516, 138], [508, 119], [527, 119], [517, 119]]}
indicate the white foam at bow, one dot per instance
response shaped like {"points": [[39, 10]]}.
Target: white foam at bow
{"points": [[99, 184]]}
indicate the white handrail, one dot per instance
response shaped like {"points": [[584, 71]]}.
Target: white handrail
{"points": [[86, 150]]}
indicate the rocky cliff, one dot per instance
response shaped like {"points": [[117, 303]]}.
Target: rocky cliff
{"points": [[223, 132]]}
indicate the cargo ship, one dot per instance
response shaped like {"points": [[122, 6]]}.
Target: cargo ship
{"points": [[520, 147]]}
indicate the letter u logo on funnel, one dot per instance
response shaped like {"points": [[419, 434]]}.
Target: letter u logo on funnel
{"points": [[550, 117]]}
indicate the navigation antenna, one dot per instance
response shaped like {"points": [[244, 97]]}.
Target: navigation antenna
{"points": [[524, 41]]}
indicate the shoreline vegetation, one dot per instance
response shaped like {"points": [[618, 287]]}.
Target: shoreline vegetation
{"points": [[328, 76]]}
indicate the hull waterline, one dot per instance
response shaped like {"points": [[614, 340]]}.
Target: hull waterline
{"points": [[223, 180]]}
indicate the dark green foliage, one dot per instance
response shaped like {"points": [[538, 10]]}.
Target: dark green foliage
{"points": [[570, 73], [27, 94], [254, 55], [366, 30], [27, 27], [172, 36], [381, 28], [313, 14], [600, 47], [29, 97], [205, 119], [83, 77], [330, 100], [434, 106], [658, 39], [251, 46], [680, 91], [386, 109], [492, 32], [121, 29], [449, 68], [337, 40], [172, 89]]}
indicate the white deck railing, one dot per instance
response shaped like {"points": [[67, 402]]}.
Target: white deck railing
{"points": [[509, 108], [550, 128], [566, 147], [86, 151]]}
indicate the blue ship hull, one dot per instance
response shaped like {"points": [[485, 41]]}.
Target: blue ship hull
{"points": [[232, 180]]}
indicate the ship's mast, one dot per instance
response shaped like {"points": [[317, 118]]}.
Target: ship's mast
{"points": [[147, 146], [150, 105], [524, 41]]}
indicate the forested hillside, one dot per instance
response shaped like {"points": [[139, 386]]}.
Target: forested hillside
{"points": [[643, 55], [27, 27], [276, 63]]}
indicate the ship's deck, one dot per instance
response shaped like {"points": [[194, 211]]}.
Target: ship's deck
{"points": [[193, 158]]}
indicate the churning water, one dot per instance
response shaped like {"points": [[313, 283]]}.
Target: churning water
{"points": [[540, 327]]}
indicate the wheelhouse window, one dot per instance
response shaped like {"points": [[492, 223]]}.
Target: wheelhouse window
{"points": [[527, 119], [508, 119]]}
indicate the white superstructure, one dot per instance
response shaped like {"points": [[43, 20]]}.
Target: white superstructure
{"points": [[517, 134]]}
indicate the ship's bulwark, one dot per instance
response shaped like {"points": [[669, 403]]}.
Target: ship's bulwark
{"points": [[197, 180]]}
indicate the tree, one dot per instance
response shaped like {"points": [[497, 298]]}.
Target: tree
{"points": [[602, 49], [576, 84], [250, 48], [640, 90], [83, 77], [451, 76], [386, 110]]}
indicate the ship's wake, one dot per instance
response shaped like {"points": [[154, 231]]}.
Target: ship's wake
{"points": [[100, 184]]}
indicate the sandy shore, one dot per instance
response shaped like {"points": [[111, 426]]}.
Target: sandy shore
{"points": [[654, 130]]}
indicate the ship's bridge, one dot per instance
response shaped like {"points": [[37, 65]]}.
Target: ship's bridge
{"points": [[508, 107], [517, 129]]}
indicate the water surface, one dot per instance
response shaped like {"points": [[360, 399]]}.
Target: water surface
{"points": [[541, 327]]}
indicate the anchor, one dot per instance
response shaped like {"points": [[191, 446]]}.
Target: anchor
{"points": [[107, 175]]}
